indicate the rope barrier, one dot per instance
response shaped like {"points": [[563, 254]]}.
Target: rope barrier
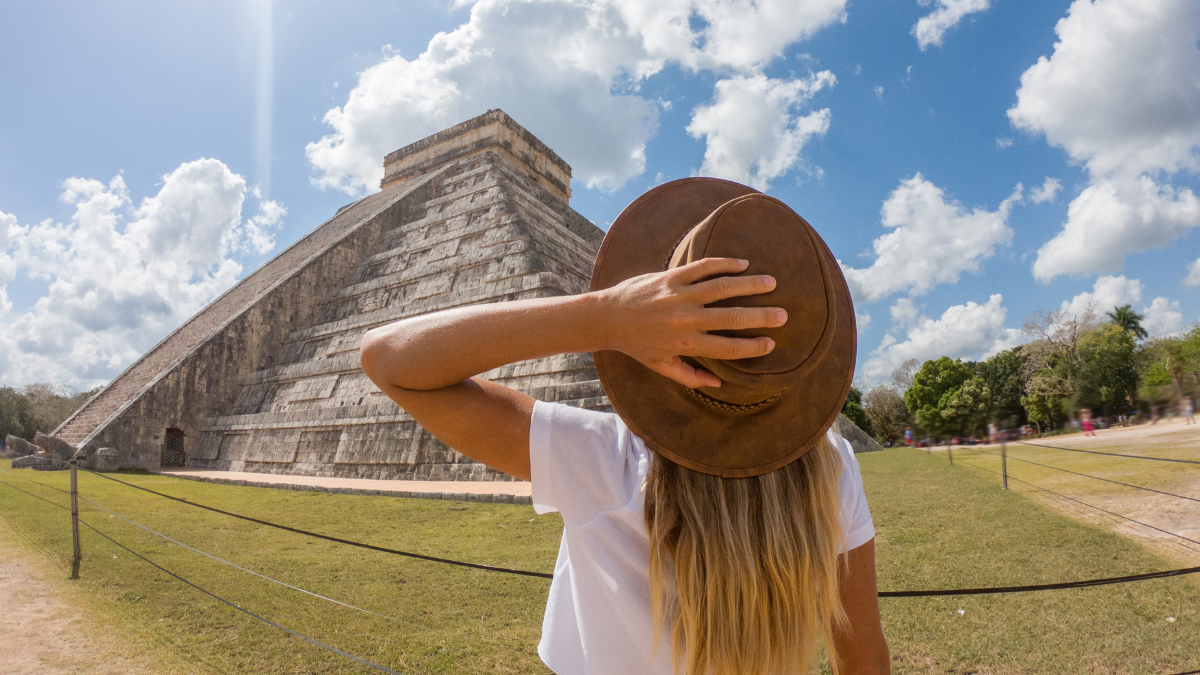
{"points": [[883, 594], [372, 547], [1112, 454], [1090, 506], [1106, 480], [257, 574], [207, 592]]}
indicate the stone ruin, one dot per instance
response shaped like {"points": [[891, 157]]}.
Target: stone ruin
{"points": [[266, 377]]}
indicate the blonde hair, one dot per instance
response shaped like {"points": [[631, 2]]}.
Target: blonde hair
{"points": [[744, 571]]}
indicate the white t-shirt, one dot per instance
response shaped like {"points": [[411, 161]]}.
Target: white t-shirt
{"points": [[590, 468]]}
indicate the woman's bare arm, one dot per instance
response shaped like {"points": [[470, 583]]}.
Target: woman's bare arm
{"points": [[861, 648], [426, 363]]}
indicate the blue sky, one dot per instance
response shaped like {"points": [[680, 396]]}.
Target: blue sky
{"points": [[151, 154]]}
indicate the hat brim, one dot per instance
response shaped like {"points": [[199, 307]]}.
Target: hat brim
{"points": [[671, 420]]}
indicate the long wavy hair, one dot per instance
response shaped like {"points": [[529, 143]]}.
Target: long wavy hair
{"points": [[744, 571]]}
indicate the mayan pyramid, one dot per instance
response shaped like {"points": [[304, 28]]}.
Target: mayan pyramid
{"points": [[266, 377]]}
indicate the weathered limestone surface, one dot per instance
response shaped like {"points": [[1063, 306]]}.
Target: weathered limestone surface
{"points": [[859, 440], [56, 448], [266, 378], [33, 462], [107, 460], [19, 446]]}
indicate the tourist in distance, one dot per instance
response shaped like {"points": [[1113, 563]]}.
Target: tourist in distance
{"points": [[716, 522]]}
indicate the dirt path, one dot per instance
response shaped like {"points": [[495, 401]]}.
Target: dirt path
{"points": [[39, 631]]}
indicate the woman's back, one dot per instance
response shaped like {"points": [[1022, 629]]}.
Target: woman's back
{"points": [[589, 467]]}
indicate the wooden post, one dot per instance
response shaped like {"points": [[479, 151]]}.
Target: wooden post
{"points": [[78, 553], [1004, 462], [950, 452]]}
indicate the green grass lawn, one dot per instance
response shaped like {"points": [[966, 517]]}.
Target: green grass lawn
{"points": [[938, 527]]}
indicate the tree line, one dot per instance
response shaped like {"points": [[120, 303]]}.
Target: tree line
{"points": [[1072, 361], [24, 411]]}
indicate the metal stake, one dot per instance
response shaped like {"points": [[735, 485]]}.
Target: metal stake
{"points": [[78, 553], [1004, 463]]}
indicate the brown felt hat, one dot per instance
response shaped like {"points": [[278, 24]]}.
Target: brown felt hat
{"points": [[769, 410]]}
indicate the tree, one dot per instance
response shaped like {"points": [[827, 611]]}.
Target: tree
{"points": [[1108, 377], [885, 408], [1128, 320], [935, 381], [965, 410], [1054, 351], [15, 416], [37, 407], [902, 377], [854, 412], [1174, 365], [1005, 377]]}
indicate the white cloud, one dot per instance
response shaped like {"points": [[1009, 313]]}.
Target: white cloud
{"points": [[752, 135], [879, 91], [1120, 96], [1046, 192], [964, 331], [931, 28], [904, 313], [567, 70], [1106, 293], [934, 241], [1111, 218], [861, 321], [1193, 277], [1003, 142], [8, 267], [1162, 317], [122, 275]]}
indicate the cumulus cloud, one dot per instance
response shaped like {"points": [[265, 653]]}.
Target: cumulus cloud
{"points": [[1162, 317], [931, 28], [1108, 292], [935, 239], [569, 70], [1046, 192], [1111, 218], [751, 132], [8, 268], [861, 321], [971, 331], [904, 313], [121, 275], [1193, 277], [1120, 96]]}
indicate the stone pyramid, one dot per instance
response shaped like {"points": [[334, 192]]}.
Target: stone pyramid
{"points": [[266, 378]]}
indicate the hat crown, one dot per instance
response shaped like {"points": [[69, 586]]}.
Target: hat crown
{"points": [[777, 242]]}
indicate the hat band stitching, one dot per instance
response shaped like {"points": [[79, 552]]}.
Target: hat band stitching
{"points": [[732, 407]]}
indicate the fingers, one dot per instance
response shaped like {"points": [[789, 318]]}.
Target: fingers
{"points": [[693, 272], [731, 349], [741, 318], [732, 287], [683, 373]]}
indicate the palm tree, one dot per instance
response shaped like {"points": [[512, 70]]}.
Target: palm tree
{"points": [[1128, 320]]}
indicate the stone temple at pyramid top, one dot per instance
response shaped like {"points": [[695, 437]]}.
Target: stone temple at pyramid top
{"points": [[266, 377]]}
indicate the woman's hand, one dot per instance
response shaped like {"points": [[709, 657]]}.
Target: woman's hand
{"points": [[656, 318]]}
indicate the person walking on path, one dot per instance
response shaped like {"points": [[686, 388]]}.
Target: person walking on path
{"points": [[1085, 421], [1189, 410], [716, 524]]}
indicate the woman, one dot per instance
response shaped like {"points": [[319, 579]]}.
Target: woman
{"points": [[715, 525]]}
